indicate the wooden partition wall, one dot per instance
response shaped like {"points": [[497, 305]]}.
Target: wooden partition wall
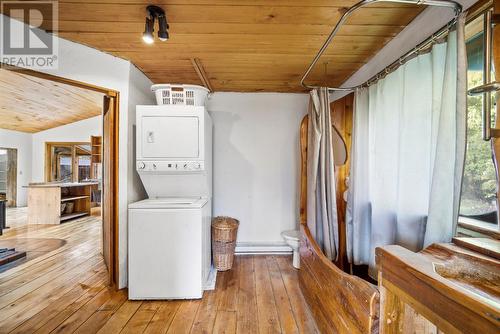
{"points": [[340, 303]]}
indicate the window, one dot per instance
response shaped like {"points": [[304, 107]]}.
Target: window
{"points": [[479, 185], [68, 162], [83, 167], [3, 171]]}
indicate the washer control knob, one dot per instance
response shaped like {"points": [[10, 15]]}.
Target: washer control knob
{"points": [[154, 166], [197, 166], [185, 166], [141, 165]]}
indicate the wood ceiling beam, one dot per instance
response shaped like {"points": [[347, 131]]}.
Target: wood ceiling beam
{"points": [[198, 67]]}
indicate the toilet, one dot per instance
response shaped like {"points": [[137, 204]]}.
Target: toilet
{"points": [[292, 238]]}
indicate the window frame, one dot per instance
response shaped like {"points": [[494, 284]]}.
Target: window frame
{"points": [[470, 226], [74, 159]]}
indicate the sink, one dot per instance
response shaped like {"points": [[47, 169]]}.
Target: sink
{"points": [[478, 277], [457, 288]]}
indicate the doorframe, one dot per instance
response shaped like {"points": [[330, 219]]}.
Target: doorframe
{"points": [[115, 95], [11, 190]]}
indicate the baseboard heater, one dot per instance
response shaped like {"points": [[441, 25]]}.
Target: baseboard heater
{"points": [[243, 248]]}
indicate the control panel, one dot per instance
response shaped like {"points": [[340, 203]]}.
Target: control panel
{"points": [[170, 166]]}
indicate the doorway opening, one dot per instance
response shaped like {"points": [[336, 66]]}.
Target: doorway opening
{"points": [[59, 145]]}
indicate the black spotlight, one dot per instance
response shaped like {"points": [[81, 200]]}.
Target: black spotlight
{"points": [[162, 28], [147, 35], [155, 12]]}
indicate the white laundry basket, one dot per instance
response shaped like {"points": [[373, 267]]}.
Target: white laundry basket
{"points": [[184, 95]]}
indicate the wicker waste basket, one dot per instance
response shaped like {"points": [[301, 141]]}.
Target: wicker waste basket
{"points": [[224, 230]]}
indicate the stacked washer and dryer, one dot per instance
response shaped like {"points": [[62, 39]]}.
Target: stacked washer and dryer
{"points": [[169, 233]]}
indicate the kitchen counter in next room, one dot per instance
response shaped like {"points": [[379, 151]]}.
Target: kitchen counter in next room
{"points": [[56, 202]]}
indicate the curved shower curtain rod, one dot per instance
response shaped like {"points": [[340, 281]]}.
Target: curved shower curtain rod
{"points": [[438, 3]]}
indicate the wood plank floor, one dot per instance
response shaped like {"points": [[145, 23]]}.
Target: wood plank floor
{"points": [[64, 291]]}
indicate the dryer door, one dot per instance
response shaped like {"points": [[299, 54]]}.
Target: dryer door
{"points": [[170, 137]]}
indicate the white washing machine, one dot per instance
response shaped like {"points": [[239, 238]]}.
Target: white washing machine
{"points": [[169, 251], [169, 248]]}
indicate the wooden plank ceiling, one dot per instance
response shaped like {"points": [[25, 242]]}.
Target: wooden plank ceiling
{"points": [[243, 45], [31, 104]]}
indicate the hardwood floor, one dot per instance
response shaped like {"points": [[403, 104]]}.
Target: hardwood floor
{"points": [[64, 290]]}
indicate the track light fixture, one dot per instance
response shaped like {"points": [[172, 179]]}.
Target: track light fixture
{"points": [[155, 12], [147, 35]]}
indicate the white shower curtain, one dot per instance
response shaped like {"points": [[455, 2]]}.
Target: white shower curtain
{"points": [[408, 153], [321, 195]]}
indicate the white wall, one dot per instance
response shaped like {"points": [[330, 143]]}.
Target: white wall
{"points": [[74, 132], [256, 162], [22, 142], [31, 149], [139, 94], [82, 63]]}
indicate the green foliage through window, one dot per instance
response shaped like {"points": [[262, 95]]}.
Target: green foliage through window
{"points": [[479, 184]]}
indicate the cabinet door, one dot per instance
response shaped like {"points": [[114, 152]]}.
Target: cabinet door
{"points": [[175, 137]]}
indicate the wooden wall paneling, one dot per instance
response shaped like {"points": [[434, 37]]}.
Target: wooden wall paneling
{"points": [[342, 113], [281, 32], [340, 303]]}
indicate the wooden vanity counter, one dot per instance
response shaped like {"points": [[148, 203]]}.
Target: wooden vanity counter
{"points": [[46, 201], [446, 288]]}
